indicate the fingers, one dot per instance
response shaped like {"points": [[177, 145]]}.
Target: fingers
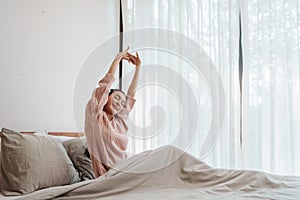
{"points": [[131, 58], [123, 53], [128, 58], [126, 49], [130, 54]]}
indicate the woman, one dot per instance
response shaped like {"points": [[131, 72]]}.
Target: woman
{"points": [[105, 117]]}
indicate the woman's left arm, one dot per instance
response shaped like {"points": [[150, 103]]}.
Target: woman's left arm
{"points": [[137, 62], [132, 88]]}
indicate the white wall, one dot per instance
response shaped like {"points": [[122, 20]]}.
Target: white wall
{"points": [[43, 44]]}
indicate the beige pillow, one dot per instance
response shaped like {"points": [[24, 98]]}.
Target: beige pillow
{"points": [[32, 162]]}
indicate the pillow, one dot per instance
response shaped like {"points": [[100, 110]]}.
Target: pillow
{"points": [[61, 138], [45, 134], [76, 149], [32, 162], [41, 132]]}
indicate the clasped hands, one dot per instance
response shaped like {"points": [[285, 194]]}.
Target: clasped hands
{"points": [[134, 59]]}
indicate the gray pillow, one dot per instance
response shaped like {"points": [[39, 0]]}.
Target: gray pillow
{"points": [[76, 149], [32, 162]]}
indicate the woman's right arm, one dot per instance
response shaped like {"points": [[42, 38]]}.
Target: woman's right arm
{"points": [[121, 55], [100, 94]]}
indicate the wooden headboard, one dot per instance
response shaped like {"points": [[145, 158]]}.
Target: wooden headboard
{"points": [[69, 134]]}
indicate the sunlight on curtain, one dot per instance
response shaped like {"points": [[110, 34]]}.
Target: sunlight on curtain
{"points": [[214, 25], [271, 95]]}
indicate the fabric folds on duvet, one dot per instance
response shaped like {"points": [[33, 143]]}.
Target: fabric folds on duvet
{"points": [[170, 173]]}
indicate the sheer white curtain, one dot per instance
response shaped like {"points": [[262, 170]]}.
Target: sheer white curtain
{"points": [[213, 25], [271, 87]]}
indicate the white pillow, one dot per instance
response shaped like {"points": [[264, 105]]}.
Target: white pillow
{"points": [[60, 138], [41, 132]]}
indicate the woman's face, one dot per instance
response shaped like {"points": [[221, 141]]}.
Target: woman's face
{"points": [[115, 103]]}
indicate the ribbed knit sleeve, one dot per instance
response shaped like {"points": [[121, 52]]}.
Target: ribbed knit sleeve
{"points": [[100, 95]]}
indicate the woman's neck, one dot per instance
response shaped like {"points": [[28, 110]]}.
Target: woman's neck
{"points": [[109, 115]]}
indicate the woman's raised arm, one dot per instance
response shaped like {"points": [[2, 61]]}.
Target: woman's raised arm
{"points": [[121, 55], [100, 94], [132, 88], [137, 62]]}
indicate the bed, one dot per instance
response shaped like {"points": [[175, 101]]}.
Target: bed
{"points": [[165, 173]]}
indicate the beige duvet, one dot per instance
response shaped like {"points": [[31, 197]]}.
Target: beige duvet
{"points": [[170, 173]]}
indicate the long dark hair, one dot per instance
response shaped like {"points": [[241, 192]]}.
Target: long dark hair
{"points": [[115, 90], [87, 153]]}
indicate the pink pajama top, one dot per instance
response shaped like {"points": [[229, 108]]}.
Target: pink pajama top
{"points": [[106, 139]]}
